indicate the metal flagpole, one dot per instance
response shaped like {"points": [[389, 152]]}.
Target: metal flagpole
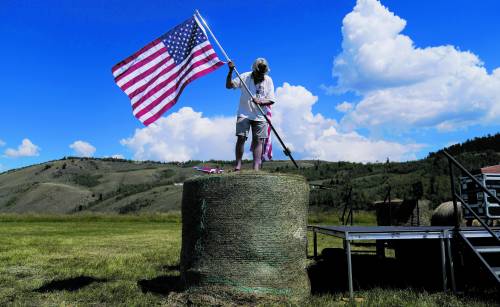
{"points": [[285, 149]]}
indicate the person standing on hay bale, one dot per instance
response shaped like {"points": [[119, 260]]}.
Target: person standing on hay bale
{"points": [[248, 114]]}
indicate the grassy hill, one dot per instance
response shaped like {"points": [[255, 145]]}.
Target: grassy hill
{"points": [[79, 184], [72, 185]]}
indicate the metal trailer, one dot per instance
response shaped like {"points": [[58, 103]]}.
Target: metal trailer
{"points": [[483, 205]]}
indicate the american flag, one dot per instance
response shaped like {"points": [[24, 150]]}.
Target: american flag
{"points": [[267, 147], [155, 76]]}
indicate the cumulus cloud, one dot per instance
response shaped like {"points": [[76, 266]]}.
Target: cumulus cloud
{"points": [[2, 143], [406, 86], [83, 149], [344, 107], [315, 137], [188, 135], [294, 118], [332, 145], [26, 149], [184, 135]]}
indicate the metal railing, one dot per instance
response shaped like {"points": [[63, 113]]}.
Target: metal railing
{"points": [[451, 162]]}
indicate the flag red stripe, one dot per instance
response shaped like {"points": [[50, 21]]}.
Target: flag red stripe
{"points": [[269, 144], [141, 63], [154, 78], [171, 90], [133, 56], [174, 101], [267, 147], [160, 99], [150, 71], [160, 85], [143, 88]]}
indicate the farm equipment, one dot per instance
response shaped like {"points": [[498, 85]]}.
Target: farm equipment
{"points": [[483, 205]]}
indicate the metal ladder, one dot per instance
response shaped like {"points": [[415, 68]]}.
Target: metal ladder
{"points": [[486, 247], [486, 250]]}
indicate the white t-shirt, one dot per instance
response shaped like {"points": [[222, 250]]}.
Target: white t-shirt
{"points": [[265, 90]]}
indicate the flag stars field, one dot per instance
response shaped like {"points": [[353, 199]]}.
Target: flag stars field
{"points": [[160, 89]]}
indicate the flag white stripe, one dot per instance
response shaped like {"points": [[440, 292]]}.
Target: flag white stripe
{"points": [[162, 79], [147, 79], [268, 154], [169, 98], [172, 71], [142, 69], [140, 57]]}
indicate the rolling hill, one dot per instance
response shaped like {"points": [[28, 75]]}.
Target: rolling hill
{"points": [[73, 184]]}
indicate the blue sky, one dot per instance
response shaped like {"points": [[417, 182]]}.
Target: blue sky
{"points": [[410, 77]]}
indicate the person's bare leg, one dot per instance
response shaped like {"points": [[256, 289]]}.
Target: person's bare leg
{"points": [[240, 147], [257, 153]]}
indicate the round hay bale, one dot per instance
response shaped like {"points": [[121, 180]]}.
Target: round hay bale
{"points": [[443, 214], [245, 233]]}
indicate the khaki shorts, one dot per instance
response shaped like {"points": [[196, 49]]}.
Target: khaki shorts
{"points": [[259, 129]]}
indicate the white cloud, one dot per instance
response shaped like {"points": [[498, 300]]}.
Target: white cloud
{"points": [[187, 135], [2, 143], [316, 137], [334, 146], [184, 135], [344, 107], [117, 156], [26, 149], [405, 86], [83, 149], [293, 116]]}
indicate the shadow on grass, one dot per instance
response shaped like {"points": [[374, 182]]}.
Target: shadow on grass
{"points": [[175, 267], [69, 284], [329, 273], [161, 285]]}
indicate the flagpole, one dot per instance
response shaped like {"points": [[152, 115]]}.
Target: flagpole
{"points": [[285, 149]]}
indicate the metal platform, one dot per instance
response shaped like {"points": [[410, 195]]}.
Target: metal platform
{"points": [[387, 233]]}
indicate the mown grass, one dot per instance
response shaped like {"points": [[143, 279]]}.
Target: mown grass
{"points": [[122, 250], [121, 253]]}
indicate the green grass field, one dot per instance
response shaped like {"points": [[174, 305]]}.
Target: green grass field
{"points": [[129, 260]]}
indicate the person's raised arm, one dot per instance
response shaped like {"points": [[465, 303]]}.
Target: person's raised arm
{"points": [[229, 82]]}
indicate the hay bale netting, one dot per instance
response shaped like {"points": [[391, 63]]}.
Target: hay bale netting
{"points": [[245, 234]]}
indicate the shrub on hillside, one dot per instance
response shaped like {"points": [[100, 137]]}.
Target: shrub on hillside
{"points": [[135, 206], [86, 180], [164, 174]]}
